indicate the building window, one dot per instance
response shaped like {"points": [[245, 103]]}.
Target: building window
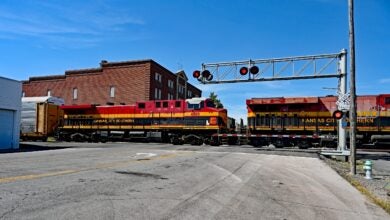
{"points": [[181, 89], [158, 77], [75, 93], [170, 84], [170, 96], [157, 93], [48, 92], [112, 91], [23, 94], [189, 94]]}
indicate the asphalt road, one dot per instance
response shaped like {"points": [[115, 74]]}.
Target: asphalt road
{"points": [[154, 181]]}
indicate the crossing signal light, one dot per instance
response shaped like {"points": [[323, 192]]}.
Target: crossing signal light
{"points": [[207, 75], [196, 74], [254, 69], [204, 75], [244, 70], [338, 114]]}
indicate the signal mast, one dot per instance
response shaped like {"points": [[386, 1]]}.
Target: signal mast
{"points": [[287, 68]]}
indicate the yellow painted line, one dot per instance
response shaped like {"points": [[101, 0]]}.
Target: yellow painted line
{"points": [[36, 176], [98, 166]]}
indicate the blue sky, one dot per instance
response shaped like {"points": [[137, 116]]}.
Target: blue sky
{"points": [[48, 37]]}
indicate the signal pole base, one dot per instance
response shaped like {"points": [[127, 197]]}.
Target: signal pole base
{"points": [[340, 155]]}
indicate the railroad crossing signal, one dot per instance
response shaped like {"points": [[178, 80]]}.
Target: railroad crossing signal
{"points": [[204, 75], [196, 74], [287, 68], [253, 69], [339, 114]]}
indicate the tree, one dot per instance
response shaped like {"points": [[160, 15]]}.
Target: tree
{"points": [[216, 101]]}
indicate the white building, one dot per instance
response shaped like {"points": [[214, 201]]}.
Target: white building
{"points": [[10, 106]]}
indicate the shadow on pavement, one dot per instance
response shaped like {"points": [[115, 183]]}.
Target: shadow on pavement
{"points": [[30, 148]]}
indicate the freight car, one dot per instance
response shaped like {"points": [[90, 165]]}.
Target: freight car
{"points": [[40, 117], [307, 121], [177, 121]]}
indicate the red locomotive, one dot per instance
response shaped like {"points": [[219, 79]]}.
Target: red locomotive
{"points": [[304, 121], [191, 120]]}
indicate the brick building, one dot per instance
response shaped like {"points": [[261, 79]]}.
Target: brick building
{"points": [[113, 83]]}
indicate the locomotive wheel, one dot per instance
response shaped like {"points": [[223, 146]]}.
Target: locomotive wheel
{"points": [[77, 137], [214, 142], [255, 143], [304, 144], [197, 142]]}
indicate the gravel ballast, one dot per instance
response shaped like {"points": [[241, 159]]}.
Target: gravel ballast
{"points": [[377, 188]]}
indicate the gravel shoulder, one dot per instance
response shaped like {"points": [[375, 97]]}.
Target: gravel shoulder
{"points": [[377, 189]]}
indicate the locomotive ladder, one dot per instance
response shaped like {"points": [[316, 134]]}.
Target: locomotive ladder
{"points": [[288, 68]]}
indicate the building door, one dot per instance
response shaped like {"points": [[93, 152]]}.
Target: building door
{"points": [[6, 128]]}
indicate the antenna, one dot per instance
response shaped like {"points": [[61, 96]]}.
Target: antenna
{"points": [[179, 66]]}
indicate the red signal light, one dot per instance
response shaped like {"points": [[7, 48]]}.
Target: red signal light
{"points": [[254, 69], [243, 70], [337, 114], [196, 74]]}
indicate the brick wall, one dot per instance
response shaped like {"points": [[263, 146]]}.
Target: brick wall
{"points": [[133, 81]]}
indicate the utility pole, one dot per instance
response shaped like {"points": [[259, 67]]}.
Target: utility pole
{"points": [[352, 116]]}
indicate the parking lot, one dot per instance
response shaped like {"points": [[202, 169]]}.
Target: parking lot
{"points": [[163, 181]]}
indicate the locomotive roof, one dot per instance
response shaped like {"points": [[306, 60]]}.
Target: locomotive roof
{"points": [[283, 100], [196, 100]]}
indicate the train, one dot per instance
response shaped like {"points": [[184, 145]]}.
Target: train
{"points": [[282, 121], [40, 117], [177, 121], [309, 121]]}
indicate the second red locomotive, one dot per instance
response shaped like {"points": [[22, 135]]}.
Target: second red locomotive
{"points": [[304, 121]]}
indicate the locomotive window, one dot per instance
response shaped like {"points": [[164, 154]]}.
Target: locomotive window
{"points": [[158, 104], [165, 104], [387, 100], [193, 106], [210, 104], [141, 105], [177, 104]]}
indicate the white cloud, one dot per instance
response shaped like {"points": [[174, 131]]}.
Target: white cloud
{"points": [[384, 80], [62, 25]]}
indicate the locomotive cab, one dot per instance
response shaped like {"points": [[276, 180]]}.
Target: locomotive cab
{"points": [[199, 103], [204, 111]]}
